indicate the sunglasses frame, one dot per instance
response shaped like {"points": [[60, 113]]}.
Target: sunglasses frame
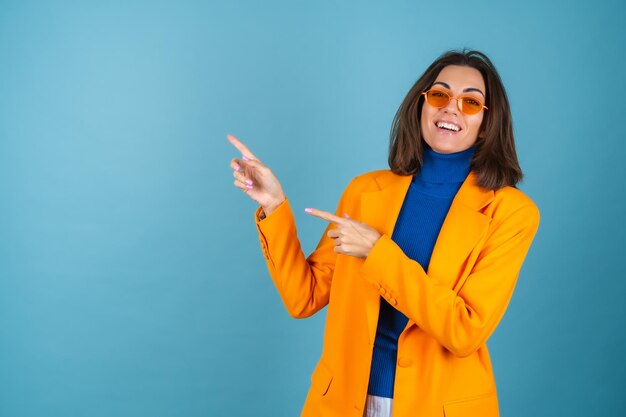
{"points": [[458, 102]]}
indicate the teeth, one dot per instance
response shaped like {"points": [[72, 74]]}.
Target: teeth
{"points": [[448, 126]]}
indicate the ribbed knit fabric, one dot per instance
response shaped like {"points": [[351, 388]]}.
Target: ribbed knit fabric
{"points": [[424, 209]]}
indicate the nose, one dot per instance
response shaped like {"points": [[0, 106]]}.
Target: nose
{"points": [[452, 106]]}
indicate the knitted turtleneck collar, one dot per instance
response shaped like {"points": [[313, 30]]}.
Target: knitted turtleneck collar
{"points": [[443, 168]]}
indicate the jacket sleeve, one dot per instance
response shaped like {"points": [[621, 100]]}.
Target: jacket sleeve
{"points": [[460, 319], [303, 283]]}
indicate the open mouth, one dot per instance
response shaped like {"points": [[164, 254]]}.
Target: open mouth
{"points": [[450, 127]]}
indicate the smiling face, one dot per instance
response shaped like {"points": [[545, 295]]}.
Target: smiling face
{"points": [[447, 129]]}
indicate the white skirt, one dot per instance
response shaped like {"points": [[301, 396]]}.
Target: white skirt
{"points": [[377, 406]]}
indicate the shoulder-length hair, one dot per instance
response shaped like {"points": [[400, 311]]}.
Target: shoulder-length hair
{"points": [[495, 160]]}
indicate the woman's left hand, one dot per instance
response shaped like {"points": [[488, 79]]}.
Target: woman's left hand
{"points": [[351, 237]]}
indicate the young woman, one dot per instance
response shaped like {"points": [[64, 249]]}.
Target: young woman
{"points": [[419, 262]]}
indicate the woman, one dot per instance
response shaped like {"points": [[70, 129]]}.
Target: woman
{"points": [[419, 263]]}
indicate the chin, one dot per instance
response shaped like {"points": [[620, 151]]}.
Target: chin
{"points": [[447, 148]]}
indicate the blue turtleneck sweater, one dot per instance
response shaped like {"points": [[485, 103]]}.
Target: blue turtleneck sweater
{"points": [[424, 209]]}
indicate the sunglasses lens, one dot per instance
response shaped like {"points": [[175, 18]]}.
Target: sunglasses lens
{"points": [[437, 98], [470, 105]]}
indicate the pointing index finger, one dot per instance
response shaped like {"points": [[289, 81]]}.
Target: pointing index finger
{"points": [[241, 147], [325, 215]]}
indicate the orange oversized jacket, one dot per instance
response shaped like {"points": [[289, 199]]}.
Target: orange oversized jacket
{"points": [[443, 366]]}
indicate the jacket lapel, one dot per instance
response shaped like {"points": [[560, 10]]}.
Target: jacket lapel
{"points": [[463, 227], [380, 210]]}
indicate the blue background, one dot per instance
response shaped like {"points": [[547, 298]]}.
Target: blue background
{"points": [[131, 279]]}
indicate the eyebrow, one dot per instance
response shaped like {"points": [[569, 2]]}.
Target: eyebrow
{"points": [[466, 90]]}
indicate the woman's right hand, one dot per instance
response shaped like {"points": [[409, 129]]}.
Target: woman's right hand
{"points": [[255, 179]]}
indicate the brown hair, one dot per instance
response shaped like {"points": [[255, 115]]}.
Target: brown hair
{"points": [[495, 160]]}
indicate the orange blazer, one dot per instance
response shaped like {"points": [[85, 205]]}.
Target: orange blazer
{"points": [[443, 366]]}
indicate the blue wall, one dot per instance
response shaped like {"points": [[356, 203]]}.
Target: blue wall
{"points": [[131, 280]]}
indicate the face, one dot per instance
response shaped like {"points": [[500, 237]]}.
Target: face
{"points": [[447, 129]]}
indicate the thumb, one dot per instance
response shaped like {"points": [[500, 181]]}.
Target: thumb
{"points": [[346, 215]]}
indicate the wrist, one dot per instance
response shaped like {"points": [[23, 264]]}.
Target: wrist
{"points": [[270, 208], [373, 243]]}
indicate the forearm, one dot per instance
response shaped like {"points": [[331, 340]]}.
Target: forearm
{"points": [[303, 286], [459, 312]]}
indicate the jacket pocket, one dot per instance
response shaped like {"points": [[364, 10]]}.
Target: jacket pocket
{"points": [[481, 406], [321, 378]]}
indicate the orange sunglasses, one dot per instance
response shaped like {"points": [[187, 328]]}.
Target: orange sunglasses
{"points": [[467, 104]]}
